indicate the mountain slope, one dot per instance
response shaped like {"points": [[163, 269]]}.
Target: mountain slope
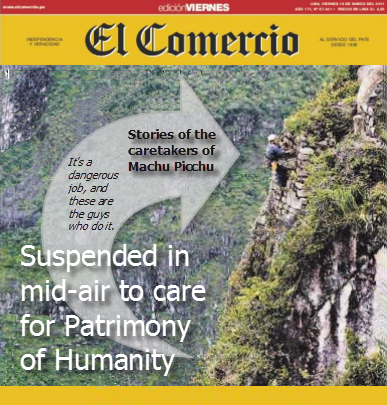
{"points": [[248, 101], [303, 305]]}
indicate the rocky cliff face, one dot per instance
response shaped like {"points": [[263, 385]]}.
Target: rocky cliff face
{"points": [[23, 107], [312, 276], [20, 115]]}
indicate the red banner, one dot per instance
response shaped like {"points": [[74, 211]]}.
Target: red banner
{"points": [[192, 7]]}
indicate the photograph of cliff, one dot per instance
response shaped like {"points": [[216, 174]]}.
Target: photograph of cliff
{"points": [[291, 247], [307, 302]]}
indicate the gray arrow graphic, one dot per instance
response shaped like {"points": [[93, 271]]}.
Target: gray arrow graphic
{"points": [[132, 191]]}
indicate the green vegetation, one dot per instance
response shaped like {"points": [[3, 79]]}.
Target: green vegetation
{"points": [[245, 100], [345, 196], [360, 369], [330, 113], [16, 162]]}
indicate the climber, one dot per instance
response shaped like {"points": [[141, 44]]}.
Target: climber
{"points": [[273, 154]]}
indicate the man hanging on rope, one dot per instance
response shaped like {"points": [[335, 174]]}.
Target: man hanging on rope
{"points": [[273, 154]]}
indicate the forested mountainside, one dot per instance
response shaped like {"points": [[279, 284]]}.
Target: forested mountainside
{"points": [[306, 304], [46, 112]]}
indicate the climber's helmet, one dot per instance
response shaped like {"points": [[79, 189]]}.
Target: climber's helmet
{"points": [[272, 138]]}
